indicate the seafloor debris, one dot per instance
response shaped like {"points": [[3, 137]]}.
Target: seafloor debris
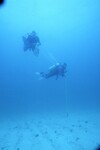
{"points": [[36, 135], [77, 138], [71, 130], [86, 121], [3, 148]]}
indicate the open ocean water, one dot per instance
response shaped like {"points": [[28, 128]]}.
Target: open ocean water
{"points": [[69, 32]]}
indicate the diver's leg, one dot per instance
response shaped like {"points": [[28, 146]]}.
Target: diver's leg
{"points": [[33, 47], [36, 51]]}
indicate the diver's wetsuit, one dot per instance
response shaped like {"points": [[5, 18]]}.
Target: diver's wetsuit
{"points": [[59, 70], [31, 42]]}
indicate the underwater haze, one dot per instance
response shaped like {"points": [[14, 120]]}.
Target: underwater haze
{"points": [[41, 113], [69, 31]]}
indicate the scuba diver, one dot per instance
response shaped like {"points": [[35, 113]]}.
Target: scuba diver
{"points": [[32, 42], [55, 70]]}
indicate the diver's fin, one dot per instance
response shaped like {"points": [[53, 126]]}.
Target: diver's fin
{"points": [[37, 73], [41, 78], [41, 75]]}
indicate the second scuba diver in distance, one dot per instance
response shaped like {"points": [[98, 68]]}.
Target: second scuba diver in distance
{"points": [[32, 43], [55, 70]]}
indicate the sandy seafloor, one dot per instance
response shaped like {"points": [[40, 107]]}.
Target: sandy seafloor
{"points": [[62, 131]]}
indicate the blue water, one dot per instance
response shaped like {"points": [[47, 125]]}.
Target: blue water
{"points": [[69, 32]]}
